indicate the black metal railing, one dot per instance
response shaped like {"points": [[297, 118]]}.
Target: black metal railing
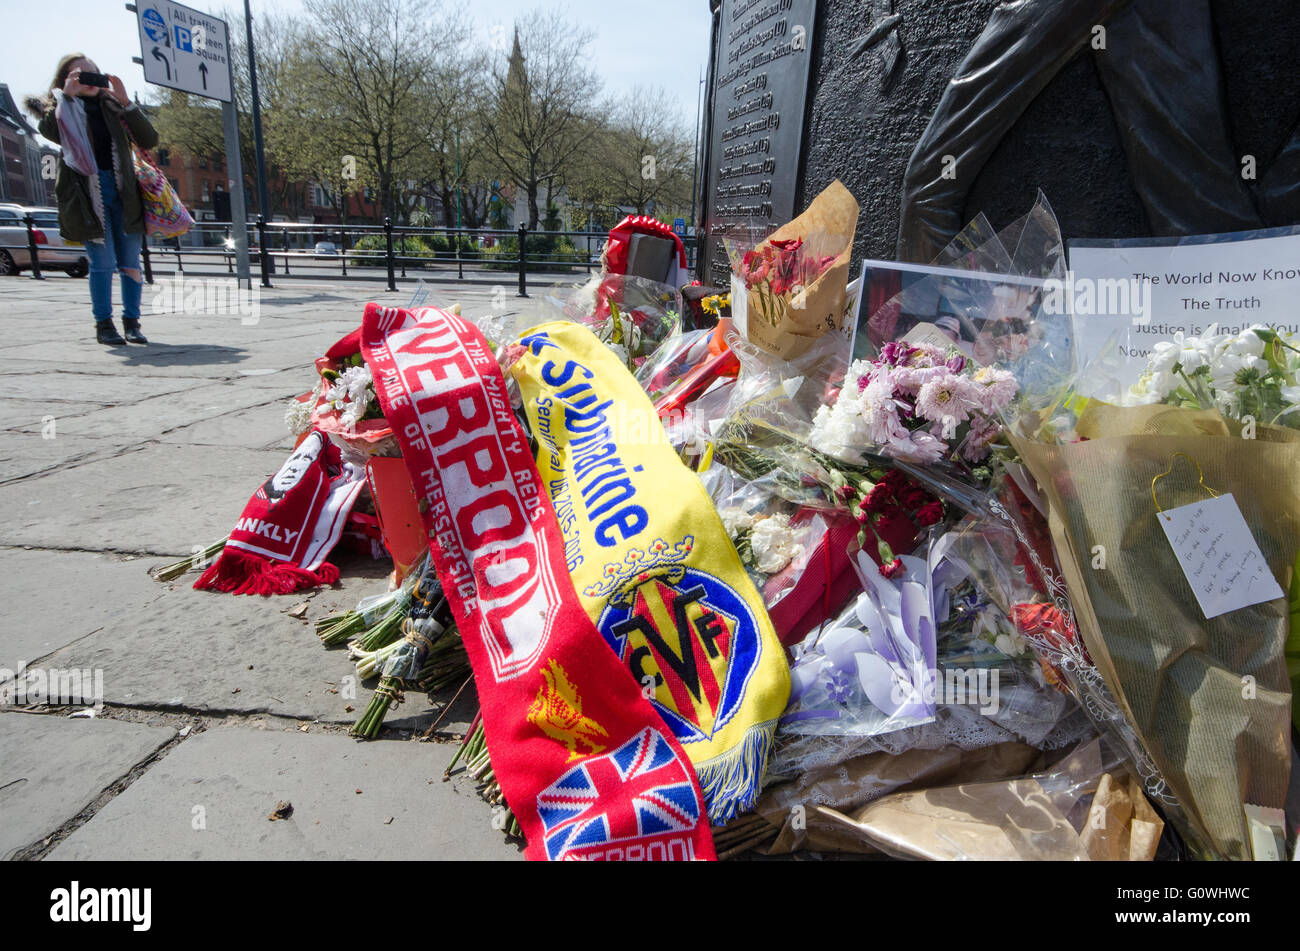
{"points": [[386, 252]]}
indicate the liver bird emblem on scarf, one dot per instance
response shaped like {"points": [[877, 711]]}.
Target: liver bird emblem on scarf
{"points": [[557, 712]]}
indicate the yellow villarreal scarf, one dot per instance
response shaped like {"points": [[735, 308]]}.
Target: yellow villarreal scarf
{"points": [[652, 563]]}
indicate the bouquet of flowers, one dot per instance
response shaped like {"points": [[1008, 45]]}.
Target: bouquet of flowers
{"points": [[918, 404], [1251, 374], [777, 270], [790, 288], [1173, 669], [872, 670], [344, 406]]}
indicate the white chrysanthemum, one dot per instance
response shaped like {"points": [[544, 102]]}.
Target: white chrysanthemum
{"points": [[1189, 352], [1233, 365], [1247, 344], [839, 428], [350, 394], [774, 544], [735, 521]]}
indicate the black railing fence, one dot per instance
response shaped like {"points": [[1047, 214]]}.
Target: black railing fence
{"points": [[385, 252]]}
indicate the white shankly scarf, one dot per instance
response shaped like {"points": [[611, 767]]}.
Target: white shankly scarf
{"points": [[70, 113], [79, 154]]}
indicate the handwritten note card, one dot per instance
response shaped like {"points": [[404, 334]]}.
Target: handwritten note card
{"points": [[1219, 556]]}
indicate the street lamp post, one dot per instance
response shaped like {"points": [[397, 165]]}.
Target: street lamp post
{"points": [[263, 200]]}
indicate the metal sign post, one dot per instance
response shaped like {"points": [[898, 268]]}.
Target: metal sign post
{"points": [[235, 176], [189, 50]]}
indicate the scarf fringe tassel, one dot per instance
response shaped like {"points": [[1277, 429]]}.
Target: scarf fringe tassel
{"points": [[731, 782], [242, 572]]}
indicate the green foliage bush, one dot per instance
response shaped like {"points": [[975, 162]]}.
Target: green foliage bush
{"points": [[546, 252], [424, 246]]}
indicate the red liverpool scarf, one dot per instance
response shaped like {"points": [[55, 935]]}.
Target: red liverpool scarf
{"points": [[586, 764], [290, 525]]}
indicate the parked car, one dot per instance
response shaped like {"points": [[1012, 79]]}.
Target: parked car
{"points": [[326, 249], [54, 253]]}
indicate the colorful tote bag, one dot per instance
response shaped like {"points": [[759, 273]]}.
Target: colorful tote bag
{"points": [[164, 215]]}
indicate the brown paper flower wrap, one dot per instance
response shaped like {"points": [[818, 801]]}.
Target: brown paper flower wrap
{"points": [[787, 322], [1209, 699]]}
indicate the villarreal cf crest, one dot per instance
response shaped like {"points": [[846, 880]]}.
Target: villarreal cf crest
{"points": [[688, 638]]}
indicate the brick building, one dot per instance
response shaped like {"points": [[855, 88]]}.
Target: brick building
{"points": [[20, 157]]}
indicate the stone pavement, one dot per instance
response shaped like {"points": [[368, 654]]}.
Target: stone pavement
{"points": [[215, 707]]}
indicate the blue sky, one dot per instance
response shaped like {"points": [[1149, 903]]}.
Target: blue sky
{"points": [[663, 43]]}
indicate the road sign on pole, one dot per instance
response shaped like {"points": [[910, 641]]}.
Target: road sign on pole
{"points": [[184, 49]]}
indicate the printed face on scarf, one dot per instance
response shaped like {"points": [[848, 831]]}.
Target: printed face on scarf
{"points": [[294, 467]]}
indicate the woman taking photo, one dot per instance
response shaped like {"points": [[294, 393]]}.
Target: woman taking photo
{"points": [[99, 199]]}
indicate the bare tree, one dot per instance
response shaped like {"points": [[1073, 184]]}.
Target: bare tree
{"points": [[540, 95], [375, 61], [453, 164], [648, 153]]}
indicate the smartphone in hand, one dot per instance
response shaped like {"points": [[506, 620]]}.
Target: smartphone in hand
{"points": [[94, 79]]}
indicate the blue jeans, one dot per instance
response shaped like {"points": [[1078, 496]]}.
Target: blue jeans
{"points": [[118, 251]]}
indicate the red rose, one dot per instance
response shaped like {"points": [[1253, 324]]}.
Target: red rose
{"points": [[893, 569], [878, 499], [929, 514], [913, 498]]}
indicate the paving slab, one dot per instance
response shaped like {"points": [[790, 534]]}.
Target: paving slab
{"points": [[20, 414], [106, 389], [259, 427], [155, 498], [161, 359], [228, 780], [53, 767], [220, 653], [53, 598], [169, 647], [152, 417], [25, 454]]}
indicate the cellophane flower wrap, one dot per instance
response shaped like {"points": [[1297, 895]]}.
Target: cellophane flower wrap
{"points": [[631, 315]]}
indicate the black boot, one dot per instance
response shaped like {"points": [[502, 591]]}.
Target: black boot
{"points": [[132, 328], [106, 333]]}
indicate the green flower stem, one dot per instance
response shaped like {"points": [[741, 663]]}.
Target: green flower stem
{"points": [[368, 725], [194, 562]]}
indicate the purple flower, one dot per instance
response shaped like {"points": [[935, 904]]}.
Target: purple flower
{"points": [[895, 353], [839, 685]]}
